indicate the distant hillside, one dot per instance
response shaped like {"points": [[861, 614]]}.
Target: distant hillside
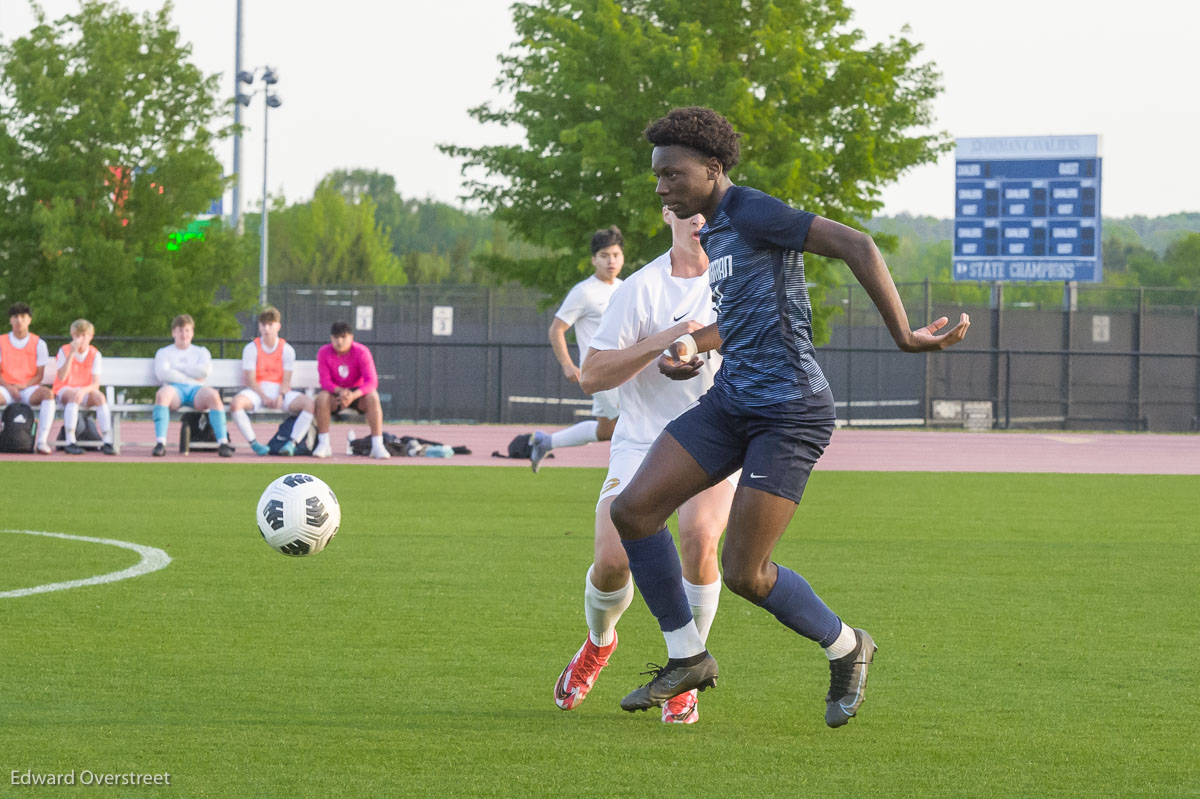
{"points": [[1153, 233]]}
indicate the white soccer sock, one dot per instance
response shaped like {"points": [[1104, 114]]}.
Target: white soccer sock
{"points": [[377, 443], [242, 420], [322, 439], [684, 642], [45, 419], [844, 645], [104, 422], [575, 436], [704, 600], [603, 609], [70, 419], [303, 422]]}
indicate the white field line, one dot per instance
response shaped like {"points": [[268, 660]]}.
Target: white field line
{"points": [[152, 560]]}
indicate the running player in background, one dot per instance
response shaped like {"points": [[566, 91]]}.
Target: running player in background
{"points": [[23, 359], [582, 308], [642, 319], [770, 411], [267, 364], [77, 385], [183, 367]]}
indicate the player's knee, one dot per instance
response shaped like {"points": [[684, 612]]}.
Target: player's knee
{"points": [[744, 579]]}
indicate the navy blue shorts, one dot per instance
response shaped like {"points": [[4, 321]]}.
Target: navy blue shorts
{"points": [[775, 446]]}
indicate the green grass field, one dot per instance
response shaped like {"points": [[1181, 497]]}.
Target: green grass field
{"points": [[1036, 638]]}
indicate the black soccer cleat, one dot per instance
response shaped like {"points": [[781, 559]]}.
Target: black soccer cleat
{"points": [[225, 450], [159, 450], [107, 449], [73, 449], [848, 681], [675, 678]]}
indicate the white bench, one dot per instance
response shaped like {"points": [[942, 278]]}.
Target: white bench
{"points": [[139, 373]]}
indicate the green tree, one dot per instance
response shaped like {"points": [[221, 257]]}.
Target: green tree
{"points": [[105, 149], [331, 240], [827, 120]]}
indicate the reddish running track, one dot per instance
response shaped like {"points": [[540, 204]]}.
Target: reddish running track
{"points": [[851, 450]]}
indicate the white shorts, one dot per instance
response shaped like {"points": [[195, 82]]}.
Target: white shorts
{"points": [[272, 391], [623, 464], [61, 391], [25, 394], [605, 405]]}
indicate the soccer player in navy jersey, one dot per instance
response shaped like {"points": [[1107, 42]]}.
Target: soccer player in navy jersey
{"points": [[770, 411]]}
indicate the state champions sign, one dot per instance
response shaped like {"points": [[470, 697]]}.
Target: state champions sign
{"points": [[1027, 208]]}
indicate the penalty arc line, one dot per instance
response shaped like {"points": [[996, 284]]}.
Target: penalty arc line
{"points": [[152, 560]]}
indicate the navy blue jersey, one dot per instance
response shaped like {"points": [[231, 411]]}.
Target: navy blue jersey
{"points": [[755, 247]]}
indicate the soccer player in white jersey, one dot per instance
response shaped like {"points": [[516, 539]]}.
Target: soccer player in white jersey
{"points": [[268, 363], [582, 309], [23, 359], [183, 367], [660, 302]]}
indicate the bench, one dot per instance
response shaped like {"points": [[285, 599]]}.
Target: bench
{"points": [[139, 373]]}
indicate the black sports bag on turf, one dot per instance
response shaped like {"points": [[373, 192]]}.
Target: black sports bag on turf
{"points": [[284, 434], [17, 427]]}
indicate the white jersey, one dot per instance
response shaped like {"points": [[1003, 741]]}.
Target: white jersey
{"points": [[43, 352], [650, 301], [188, 366], [584, 305], [250, 356]]}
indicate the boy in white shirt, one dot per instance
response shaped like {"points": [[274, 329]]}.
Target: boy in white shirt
{"points": [[643, 318], [267, 364], [182, 368], [582, 309], [23, 359], [77, 385]]}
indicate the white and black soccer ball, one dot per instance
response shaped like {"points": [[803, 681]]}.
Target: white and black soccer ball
{"points": [[298, 514]]}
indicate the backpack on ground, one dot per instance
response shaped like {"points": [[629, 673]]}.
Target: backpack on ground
{"points": [[283, 435], [407, 447], [85, 430], [17, 428], [195, 429], [519, 448]]}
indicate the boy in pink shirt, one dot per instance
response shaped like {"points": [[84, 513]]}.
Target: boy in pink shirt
{"points": [[348, 380]]}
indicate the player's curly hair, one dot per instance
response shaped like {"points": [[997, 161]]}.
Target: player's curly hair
{"points": [[700, 128]]}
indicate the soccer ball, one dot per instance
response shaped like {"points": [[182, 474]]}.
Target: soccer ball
{"points": [[298, 514]]}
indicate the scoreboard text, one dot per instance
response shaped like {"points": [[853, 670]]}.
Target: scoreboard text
{"points": [[1027, 208]]}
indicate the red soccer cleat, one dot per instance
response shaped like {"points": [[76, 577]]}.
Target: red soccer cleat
{"points": [[681, 709], [577, 678]]}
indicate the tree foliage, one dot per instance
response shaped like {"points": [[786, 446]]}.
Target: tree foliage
{"points": [[105, 149], [331, 240], [827, 119]]}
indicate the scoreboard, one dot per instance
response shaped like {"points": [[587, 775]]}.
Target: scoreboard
{"points": [[1027, 208]]}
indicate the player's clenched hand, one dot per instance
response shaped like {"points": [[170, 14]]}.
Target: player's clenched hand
{"points": [[571, 373], [925, 339], [680, 370]]}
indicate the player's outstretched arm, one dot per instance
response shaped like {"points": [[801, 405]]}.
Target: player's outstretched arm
{"points": [[858, 250], [605, 369]]}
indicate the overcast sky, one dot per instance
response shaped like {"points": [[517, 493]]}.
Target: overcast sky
{"points": [[379, 85]]}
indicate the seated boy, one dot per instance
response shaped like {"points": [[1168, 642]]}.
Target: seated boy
{"points": [[348, 380], [182, 368], [268, 362], [23, 359], [77, 385]]}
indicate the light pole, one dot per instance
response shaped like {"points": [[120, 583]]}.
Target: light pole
{"points": [[269, 78], [238, 75]]}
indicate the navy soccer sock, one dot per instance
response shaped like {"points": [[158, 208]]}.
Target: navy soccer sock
{"points": [[654, 563], [798, 607]]}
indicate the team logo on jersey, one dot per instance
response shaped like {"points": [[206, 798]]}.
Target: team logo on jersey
{"points": [[343, 370], [720, 269], [610, 484]]}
